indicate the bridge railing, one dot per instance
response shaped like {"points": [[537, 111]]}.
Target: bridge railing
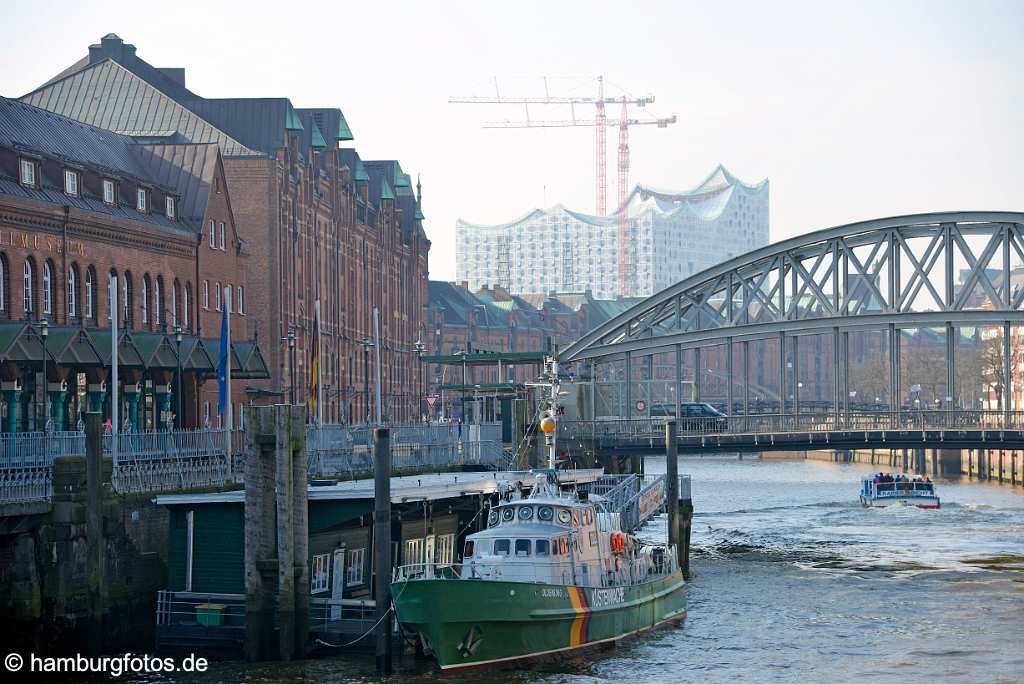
{"points": [[651, 429]]}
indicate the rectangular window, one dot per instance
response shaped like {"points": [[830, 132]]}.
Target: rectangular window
{"points": [[354, 567], [206, 413], [216, 296], [213, 235], [28, 173], [469, 549], [140, 200], [108, 191], [70, 182], [206, 294], [170, 207], [413, 553], [502, 547], [541, 546], [319, 574], [241, 300], [222, 235], [523, 547]]}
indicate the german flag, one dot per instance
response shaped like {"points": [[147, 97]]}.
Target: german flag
{"points": [[314, 366]]}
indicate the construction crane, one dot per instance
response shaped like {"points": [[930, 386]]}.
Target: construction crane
{"points": [[601, 123]]}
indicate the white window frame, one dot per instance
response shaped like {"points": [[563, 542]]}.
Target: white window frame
{"points": [[70, 182], [213, 234], [145, 300], [27, 278], [47, 289], [222, 235], [141, 201], [89, 285], [206, 412], [109, 192], [354, 567], [320, 573], [157, 299], [72, 294], [174, 306], [27, 173], [184, 307], [216, 296], [228, 298], [413, 553], [444, 550], [169, 207], [206, 295], [239, 292]]}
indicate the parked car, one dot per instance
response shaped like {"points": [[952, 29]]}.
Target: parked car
{"points": [[694, 416]]}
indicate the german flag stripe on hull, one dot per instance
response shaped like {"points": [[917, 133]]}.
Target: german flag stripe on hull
{"points": [[578, 631]]}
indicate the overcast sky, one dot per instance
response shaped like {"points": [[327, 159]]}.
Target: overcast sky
{"points": [[852, 110]]}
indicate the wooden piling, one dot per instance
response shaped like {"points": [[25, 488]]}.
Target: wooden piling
{"points": [[382, 546]]}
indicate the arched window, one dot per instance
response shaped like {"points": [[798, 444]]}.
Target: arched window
{"points": [[145, 299], [47, 289], [127, 291], [3, 284], [186, 304], [90, 293], [175, 298], [29, 284], [73, 291], [158, 301]]}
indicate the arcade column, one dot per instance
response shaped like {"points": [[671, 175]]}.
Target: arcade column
{"points": [[58, 392], [12, 398], [132, 394], [163, 406], [97, 393]]}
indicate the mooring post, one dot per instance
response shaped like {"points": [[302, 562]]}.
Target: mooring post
{"points": [[94, 527], [382, 545], [260, 565], [300, 525], [285, 533], [672, 486]]}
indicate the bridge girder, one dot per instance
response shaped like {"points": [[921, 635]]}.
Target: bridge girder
{"points": [[926, 270]]}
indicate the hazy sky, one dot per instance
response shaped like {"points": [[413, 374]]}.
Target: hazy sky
{"points": [[852, 110]]}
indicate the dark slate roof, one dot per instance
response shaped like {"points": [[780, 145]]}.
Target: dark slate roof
{"points": [[189, 169], [459, 305], [30, 129], [259, 123], [110, 96], [331, 123]]}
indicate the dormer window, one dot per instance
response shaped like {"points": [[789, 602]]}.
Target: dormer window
{"points": [[28, 173], [70, 182], [170, 207], [140, 200], [108, 191]]}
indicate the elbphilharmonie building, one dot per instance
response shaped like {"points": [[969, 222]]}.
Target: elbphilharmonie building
{"points": [[669, 236]]}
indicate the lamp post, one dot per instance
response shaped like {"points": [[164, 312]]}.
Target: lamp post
{"points": [[366, 344], [419, 348], [44, 332], [291, 365], [177, 379]]}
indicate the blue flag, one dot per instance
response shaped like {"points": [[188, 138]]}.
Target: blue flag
{"points": [[222, 362]]}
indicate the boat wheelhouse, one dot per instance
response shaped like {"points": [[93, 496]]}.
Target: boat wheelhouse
{"points": [[882, 491]]}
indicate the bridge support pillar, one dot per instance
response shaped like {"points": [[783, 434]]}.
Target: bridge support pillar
{"points": [[680, 514]]}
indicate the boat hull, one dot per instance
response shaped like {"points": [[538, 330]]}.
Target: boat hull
{"points": [[917, 502], [482, 623]]}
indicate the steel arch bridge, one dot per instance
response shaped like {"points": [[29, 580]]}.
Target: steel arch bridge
{"points": [[939, 271]]}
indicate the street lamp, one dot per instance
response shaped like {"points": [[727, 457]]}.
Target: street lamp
{"points": [[366, 344], [44, 332], [419, 348], [291, 365], [177, 378]]}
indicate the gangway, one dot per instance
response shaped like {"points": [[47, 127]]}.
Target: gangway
{"points": [[636, 498]]}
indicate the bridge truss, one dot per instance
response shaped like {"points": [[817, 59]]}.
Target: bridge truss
{"points": [[959, 275]]}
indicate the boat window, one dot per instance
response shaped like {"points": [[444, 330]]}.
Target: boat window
{"points": [[541, 546], [525, 512], [501, 547], [469, 549], [492, 518], [545, 513], [575, 518], [507, 513], [522, 547], [563, 546], [564, 516]]}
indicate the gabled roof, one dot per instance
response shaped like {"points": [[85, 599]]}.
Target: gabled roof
{"points": [[259, 123], [331, 123], [385, 190]]}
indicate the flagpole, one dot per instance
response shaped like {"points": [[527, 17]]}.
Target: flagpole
{"points": [[113, 370], [227, 382]]}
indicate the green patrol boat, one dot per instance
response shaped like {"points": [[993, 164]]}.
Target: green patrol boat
{"points": [[550, 574]]}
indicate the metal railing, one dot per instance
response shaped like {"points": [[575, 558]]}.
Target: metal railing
{"points": [[644, 429]]}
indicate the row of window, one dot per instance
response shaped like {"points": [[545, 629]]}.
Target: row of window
{"points": [[320, 572], [235, 304], [214, 234], [521, 548], [72, 186]]}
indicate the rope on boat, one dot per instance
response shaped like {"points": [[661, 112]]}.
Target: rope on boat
{"points": [[361, 637]]}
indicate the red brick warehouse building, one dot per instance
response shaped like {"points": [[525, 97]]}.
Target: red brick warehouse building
{"points": [[317, 220], [78, 205]]}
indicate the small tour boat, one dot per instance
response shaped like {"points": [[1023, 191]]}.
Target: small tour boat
{"points": [[880, 491], [550, 574]]}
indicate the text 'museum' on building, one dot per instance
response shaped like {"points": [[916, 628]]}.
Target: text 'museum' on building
{"points": [[670, 235], [318, 224]]}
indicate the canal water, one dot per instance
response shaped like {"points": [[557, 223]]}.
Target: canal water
{"points": [[794, 581]]}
